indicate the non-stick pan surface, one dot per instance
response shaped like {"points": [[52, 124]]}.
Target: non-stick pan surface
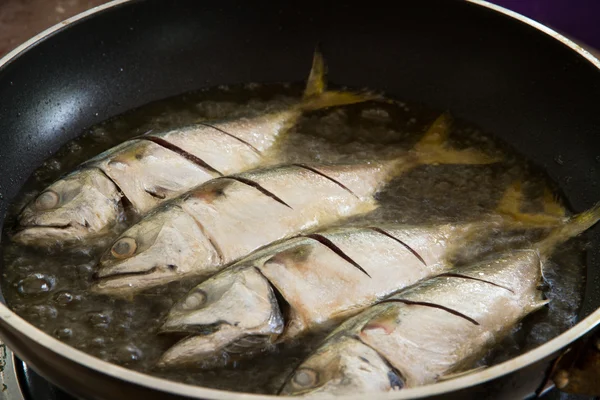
{"points": [[534, 91]]}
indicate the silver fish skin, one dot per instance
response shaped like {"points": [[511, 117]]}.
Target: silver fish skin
{"points": [[436, 328], [144, 172], [314, 273], [230, 217], [425, 333]]}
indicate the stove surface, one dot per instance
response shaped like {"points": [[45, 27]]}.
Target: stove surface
{"points": [[34, 387]]}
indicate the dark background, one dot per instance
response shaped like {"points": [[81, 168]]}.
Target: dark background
{"points": [[22, 19], [578, 19]]}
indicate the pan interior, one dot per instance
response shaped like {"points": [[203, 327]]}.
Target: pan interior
{"points": [[53, 292]]}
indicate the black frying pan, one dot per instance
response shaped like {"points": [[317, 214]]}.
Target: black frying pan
{"points": [[537, 92]]}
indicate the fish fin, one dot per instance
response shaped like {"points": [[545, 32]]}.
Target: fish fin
{"points": [[316, 83], [317, 97], [540, 304], [511, 202], [431, 149], [333, 98], [574, 226], [461, 373], [368, 206], [552, 205]]}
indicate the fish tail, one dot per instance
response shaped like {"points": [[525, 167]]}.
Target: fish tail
{"points": [[432, 148], [574, 226], [316, 96], [512, 200]]}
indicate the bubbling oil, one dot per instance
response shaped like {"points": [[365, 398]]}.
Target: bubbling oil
{"points": [[50, 287]]}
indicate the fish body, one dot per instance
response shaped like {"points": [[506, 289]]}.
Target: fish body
{"points": [[436, 328], [230, 217], [313, 276], [316, 275], [144, 172]]}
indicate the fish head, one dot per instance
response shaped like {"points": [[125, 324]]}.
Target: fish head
{"points": [[343, 366], [233, 313], [83, 204], [167, 245]]}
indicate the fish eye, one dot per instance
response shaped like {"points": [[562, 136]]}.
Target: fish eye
{"points": [[305, 378], [124, 248], [47, 200], [194, 300]]}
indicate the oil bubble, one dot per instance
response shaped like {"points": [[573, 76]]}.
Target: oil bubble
{"points": [[63, 333], [42, 312], [99, 320], [128, 354], [375, 114], [36, 284], [64, 299], [98, 342], [85, 271]]}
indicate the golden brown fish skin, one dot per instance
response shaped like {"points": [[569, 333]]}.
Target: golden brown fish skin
{"points": [[441, 326], [154, 168]]}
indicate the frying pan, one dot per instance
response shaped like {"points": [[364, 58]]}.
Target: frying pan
{"points": [[526, 84]]}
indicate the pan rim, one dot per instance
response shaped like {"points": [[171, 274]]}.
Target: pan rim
{"points": [[72, 354]]}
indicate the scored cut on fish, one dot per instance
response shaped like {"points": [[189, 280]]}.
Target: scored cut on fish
{"points": [[435, 329], [228, 218], [301, 286], [144, 172]]}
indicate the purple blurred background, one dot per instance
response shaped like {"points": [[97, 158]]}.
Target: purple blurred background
{"points": [[579, 19]]}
